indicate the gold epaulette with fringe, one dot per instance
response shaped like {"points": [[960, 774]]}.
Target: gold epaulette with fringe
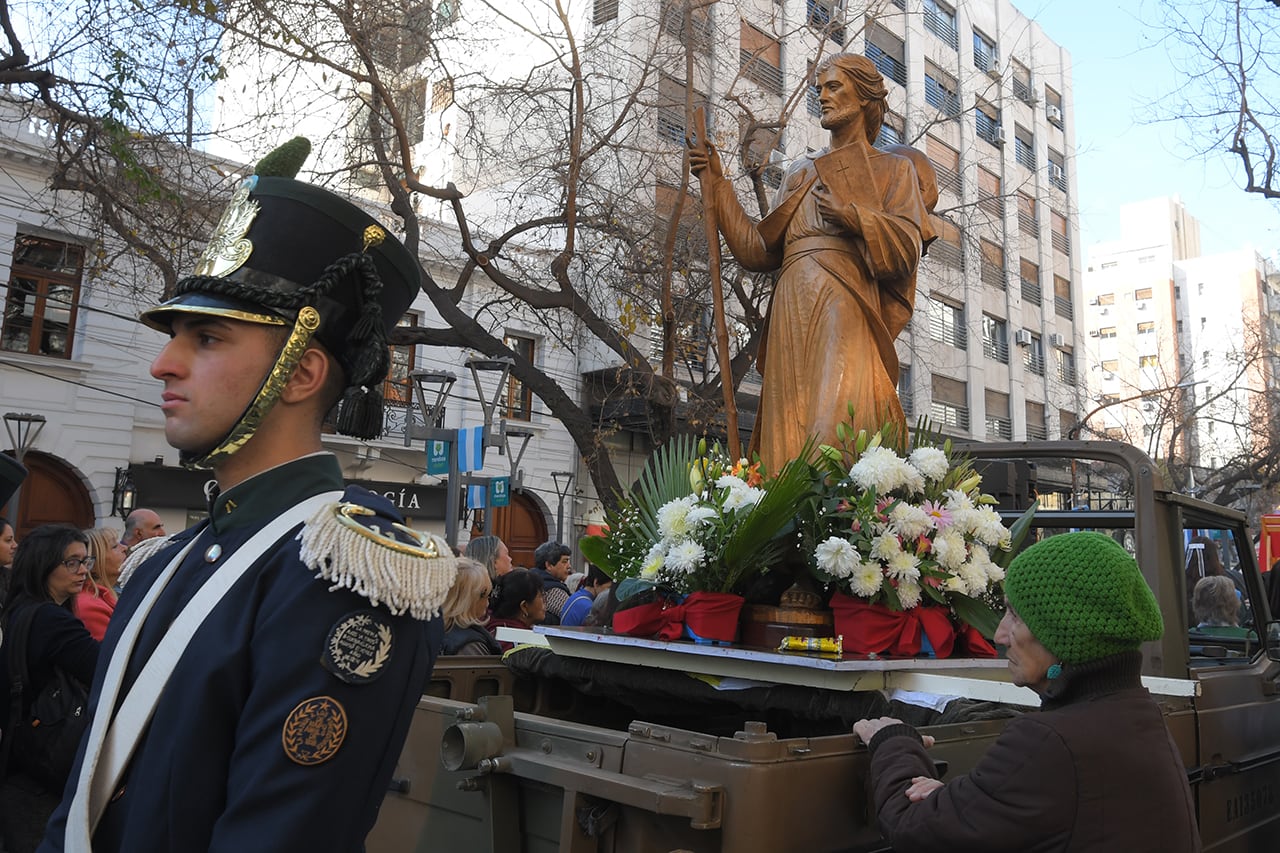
{"points": [[139, 554], [374, 564]]}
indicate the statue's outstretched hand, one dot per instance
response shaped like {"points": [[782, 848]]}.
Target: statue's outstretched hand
{"points": [[703, 156]]}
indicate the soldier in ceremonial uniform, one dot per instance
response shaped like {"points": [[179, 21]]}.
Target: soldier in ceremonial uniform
{"points": [[256, 684]]}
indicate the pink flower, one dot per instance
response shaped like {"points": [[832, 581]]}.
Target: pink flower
{"points": [[938, 512], [923, 546], [856, 526]]}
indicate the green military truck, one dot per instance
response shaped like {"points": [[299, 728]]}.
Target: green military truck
{"points": [[610, 746]]}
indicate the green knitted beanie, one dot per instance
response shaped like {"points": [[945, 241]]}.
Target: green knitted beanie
{"points": [[1083, 597]]}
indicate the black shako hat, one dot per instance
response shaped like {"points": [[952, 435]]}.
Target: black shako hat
{"points": [[287, 253]]}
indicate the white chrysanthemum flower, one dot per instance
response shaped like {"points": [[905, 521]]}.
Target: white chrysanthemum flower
{"points": [[974, 577], [837, 557], [912, 481], [866, 580], [929, 461], [909, 594], [885, 547], [988, 528], [747, 496], [653, 561], [949, 549], [880, 469], [955, 584], [728, 481], [698, 516], [911, 521], [673, 518], [685, 556], [904, 566], [958, 500]]}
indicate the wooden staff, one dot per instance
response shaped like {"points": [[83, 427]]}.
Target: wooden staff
{"points": [[717, 290]]}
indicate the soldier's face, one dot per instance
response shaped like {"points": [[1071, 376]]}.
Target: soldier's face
{"points": [[211, 368], [838, 98]]}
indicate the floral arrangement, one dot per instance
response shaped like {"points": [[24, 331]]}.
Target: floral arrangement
{"points": [[700, 522], [904, 530]]}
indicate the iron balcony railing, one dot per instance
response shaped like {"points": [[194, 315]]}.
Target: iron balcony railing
{"points": [[937, 95], [948, 414], [890, 66], [943, 28], [996, 349], [992, 275], [1063, 308], [765, 73], [1031, 291], [1028, 224], [999, 428], [1062, 243]]}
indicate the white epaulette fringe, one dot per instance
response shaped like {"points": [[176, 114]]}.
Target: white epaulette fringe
{"points": [[373, 564]]}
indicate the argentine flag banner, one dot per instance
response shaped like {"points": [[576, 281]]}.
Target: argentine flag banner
{"points": [[471, 448]]}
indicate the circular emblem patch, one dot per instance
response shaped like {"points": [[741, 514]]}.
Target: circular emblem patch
{"points": [[314, 730], [358, 646]]}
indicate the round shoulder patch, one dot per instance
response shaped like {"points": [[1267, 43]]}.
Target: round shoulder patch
{"points": [[359, 646], [314, 730]]}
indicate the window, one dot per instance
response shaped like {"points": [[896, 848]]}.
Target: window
{"points": [[1107, 299], [441, 95], [940, 90], [1030, 275], [1107, 332], [412, 102], [887, 52], [760, 58], [1034, 356], [999, 424], [1028, 221], [1146, 328], [1111, 365], [985, 57], [1062, 305], [1058, 226], [946, 323], [1142, 293], [603, 11], [946, 162], [995, 338], [1066, 360], [990, 196], [44, 292], [1205, 362], [904, 389], [1147, 259], [812, 97], [759, 142], [890, 131], [671, 115], [700, 32], [950, 402], [1024, 148], [400, 44], [519, 397], [1021, 76], [987, 118], [1036, 428], [1148, 361], [1057, 170], [1066, 422], [397, 388], [825, 17], [1110, 265], [947, 250], [992, 271], [1053, 107], [940, 19], [691, 237]]}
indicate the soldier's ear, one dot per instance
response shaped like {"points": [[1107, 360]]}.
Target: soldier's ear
{"points": [[311, 379]]}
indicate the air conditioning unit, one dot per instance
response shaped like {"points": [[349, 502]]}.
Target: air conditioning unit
{"points": [[1054, 114], [1107, 374], [1055, 172], [1094, 333], [993, 67], [1022, 338], [1142, 304], [999, 137], [1056, 340]]}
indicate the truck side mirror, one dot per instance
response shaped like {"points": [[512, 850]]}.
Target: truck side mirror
{"points": [[1273, 640]]}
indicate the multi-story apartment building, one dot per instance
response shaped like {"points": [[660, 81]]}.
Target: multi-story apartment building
{"points": [[1182, 346]]}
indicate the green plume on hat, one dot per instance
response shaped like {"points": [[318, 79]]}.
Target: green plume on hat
{"points": [[285, 160]]}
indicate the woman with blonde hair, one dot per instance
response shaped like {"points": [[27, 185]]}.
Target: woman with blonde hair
{"points": [[97, 600], [466, 612]]}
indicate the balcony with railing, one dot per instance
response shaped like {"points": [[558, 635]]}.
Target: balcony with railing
{"points": [[949, 414], [1024, 154], [1067, 374], [1028, 224], [942, 27], [1022, 91], [1037, 432], [1061, 242], [988, 127], [996, 349], [818, 13], [999, 428], [950, 333], [1063, 308], [1057, 177], [766, 74], [1031, 291], [890, 66], [813, 101], [671, 124], [908, 403], [947, 254], [939, 96], [948, 179], [1035, 362], [993, 204]]}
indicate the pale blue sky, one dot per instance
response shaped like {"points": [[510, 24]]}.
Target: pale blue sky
{"points": [[1119, 69]]}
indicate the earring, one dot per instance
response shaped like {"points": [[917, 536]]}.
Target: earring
{"points": [[1054, 671]]}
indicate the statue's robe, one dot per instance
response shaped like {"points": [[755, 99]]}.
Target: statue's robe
{"points": [[839, 303]]}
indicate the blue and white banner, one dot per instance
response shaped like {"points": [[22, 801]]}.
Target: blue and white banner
{"points": [[471, 449], [476, 495]]}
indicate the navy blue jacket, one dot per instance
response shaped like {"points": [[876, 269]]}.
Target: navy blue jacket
{"points": [[212, 772]]}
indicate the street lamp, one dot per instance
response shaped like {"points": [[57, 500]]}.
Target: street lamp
{"points": [[23, 429], [435, 385], [562, 479], [124, 496]]}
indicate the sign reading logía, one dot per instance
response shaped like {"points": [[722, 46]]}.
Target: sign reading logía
{"points": [[410, 499]]}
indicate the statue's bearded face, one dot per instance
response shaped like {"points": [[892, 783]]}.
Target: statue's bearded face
{"points": [[839, 98]]}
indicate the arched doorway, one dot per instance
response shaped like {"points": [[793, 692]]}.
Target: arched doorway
{"points": [[52, 493], [522, 526]]}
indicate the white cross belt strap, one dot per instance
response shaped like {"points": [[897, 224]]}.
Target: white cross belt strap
{"points": [[108, 750]]}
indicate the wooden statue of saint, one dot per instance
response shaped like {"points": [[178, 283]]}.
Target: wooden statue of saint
{"points": [[847, 230]]}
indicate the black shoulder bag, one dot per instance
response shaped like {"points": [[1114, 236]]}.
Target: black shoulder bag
{"points": [[43, 743]]}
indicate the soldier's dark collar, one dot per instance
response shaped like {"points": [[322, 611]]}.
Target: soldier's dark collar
{"points": [[265, 495]]}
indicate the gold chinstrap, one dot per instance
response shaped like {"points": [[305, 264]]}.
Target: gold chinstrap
{"points": [[426, 547]]}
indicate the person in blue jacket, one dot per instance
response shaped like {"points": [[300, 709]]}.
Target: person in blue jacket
{"points": [[256, 684], [579, 604]]}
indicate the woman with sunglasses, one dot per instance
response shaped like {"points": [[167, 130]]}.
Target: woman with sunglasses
{"points": [[50, 568]]}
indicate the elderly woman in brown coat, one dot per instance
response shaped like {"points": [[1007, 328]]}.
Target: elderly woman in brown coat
{"points": [[1095, 769]]}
